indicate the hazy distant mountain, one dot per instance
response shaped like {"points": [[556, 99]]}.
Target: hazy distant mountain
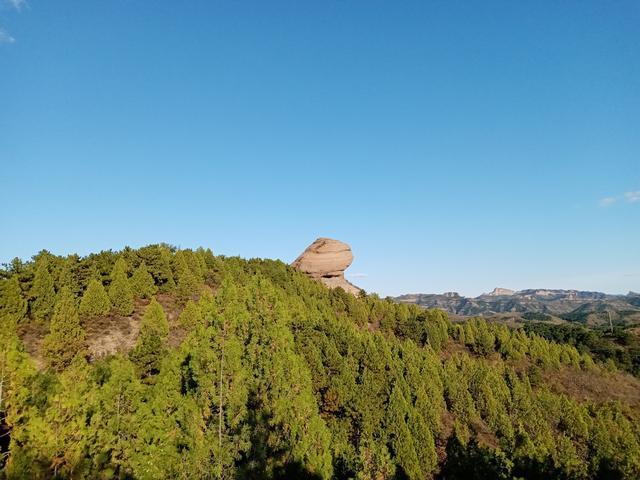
{"points": [[571, 305]]}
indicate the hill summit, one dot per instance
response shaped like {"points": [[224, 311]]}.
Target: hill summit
{"points": [[161, 362]]}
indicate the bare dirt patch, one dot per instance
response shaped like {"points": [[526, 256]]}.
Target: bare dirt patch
{"points": [[596, 387], [109, 334]]}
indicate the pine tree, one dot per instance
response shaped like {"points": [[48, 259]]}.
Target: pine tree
{"points": [[120, 290], [188, 284], [16, 376], [142, 283], [295, 433], [190, 317], [95, 300], [66, 337], [115, 426], [70, 275], [13, 307], [164, 275], [375, 462], [402, 442], [224, 376], [194, 263], [152, 340], [67, 436], [43, 293]]}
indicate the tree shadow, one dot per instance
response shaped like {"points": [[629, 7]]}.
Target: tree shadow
{"points": [[472, 462], [295, 470], [400, 474]]}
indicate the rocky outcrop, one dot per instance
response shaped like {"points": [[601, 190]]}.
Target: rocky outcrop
{"points": [[498, 292], [326, 260]]}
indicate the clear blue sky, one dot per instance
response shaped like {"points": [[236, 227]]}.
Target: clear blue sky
{"points": [[455, 145]]}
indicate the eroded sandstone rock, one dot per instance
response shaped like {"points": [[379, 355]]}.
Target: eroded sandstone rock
{"points": [[326, 260]]}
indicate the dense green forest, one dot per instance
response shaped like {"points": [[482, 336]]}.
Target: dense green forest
{"points": [[248, 369], [617, 345]]}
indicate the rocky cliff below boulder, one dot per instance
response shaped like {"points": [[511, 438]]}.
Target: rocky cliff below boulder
{"points": [[326, 260]]}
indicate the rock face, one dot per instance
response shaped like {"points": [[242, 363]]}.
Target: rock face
{"points": [[498, 292], [326, 260]]}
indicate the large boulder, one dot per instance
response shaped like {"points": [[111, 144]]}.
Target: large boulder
{"points": [[326, 260]]}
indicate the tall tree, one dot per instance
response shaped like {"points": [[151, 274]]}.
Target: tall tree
{"points": [[188, 283], [165, 279], [43, 293], [152, 341], [13, 307], [115, 423], [70, 274], [402, 442], [190, 317], [287, 427], [16, 375], [183, 453], [142, 283], [224, 377], [67, 436], [95, 300], [120, 290], [66, 337]]}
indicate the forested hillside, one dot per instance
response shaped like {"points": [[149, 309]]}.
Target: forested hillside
{"points": [[617, 345], [165, 363]]}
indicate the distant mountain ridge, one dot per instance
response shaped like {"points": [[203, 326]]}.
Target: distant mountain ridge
{"points": [[571, 305]]}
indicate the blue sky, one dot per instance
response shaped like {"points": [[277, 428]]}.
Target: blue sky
{"points": [[455, 145]]}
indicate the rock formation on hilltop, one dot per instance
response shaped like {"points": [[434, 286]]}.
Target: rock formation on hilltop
{"points": [[326, 260], [497, 292]]}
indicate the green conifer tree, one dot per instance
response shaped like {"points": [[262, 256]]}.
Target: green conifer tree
{"points": [[188, 284], [152, 340], [17, 372], [375, 462], [190, 317], [95, 300], [120, 290], [194, 263], [116, 428], [67, 436], [43, 293], [142, 283], [294, 417], [13, 307], [66, 337], [70, 275], [164, 275], [224, 378], [181, 454], [402, 442]]}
